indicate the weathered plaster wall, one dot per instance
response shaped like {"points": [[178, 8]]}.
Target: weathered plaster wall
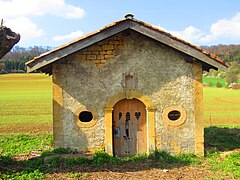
{"points": [[160, 72]]}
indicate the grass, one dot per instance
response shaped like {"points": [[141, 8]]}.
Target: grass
{"points": [[221, 139], [218, 140], [26, 123], [39, 168], [222, 146], [13, 144], [212, 81], [26, 103], [221, 106], [227, 166]]}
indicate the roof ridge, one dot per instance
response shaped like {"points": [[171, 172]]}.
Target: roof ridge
{"points": [[204, 51], [132, 26]]}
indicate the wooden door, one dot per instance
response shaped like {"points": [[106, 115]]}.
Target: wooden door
{"points": [[129, 128]]}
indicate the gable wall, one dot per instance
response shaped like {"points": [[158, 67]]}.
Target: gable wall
{"points": [[159, 72]]}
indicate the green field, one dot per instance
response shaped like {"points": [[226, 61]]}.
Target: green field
{"points": [[212, 81], [221, 106], [26, 111], [25, 103]]}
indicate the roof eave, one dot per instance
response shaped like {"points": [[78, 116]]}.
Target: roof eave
{"points": [[117, 27], [180, 46], [59, 53]]}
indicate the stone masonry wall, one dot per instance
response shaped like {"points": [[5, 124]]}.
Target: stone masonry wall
{"points": [[102, 51], [97, 73]]}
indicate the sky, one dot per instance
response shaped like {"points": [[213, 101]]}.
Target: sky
{"points": [[56, 22]]}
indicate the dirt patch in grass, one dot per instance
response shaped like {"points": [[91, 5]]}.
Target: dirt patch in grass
{"points": [[189, 172], [211, 121], [29, 128], [136, 170], [221, 162]]}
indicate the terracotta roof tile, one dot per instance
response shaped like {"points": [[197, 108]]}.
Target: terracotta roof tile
{"points": [[211, 55]]}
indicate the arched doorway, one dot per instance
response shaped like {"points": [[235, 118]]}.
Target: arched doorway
{"points": [[129, 127]]}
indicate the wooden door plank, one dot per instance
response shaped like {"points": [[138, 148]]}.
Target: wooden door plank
{"points": [[136, 142]]}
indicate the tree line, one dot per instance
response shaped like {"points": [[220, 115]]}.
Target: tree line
{"points": [[14, 61], [228, 53], [231, 54]]}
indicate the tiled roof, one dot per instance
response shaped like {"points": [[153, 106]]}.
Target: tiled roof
{"points": [[203, 51], [211, 55], [76, 40]]}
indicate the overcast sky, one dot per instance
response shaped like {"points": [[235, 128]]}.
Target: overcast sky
{"points": [[56, 22]]}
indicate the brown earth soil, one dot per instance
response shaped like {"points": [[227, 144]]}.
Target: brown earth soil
{"points": [[138, 171], [29, 128], [187, 172]]}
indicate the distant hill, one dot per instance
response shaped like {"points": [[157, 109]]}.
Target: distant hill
{"points": [[228, 53], [231, 54], [15, 60]]}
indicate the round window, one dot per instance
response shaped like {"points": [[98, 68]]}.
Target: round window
{"points": [[174, 115], [85, 116]]}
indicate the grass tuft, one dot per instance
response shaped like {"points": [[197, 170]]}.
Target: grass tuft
{"points": [[229, 165], [222, 139], [13, 144]]}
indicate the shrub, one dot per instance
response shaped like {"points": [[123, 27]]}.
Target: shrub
{"points": [[215, 73], [116, 160], [209, 84], [231, 78], [54, 162], [34, 163], [6, 160], [137, 158], [69, 162], [233, 73], [205, 73], [236, 86], [205, 84], [101, 158], [222, 75], [61, 150], [163, 156], [218, 85], [83, 161]]}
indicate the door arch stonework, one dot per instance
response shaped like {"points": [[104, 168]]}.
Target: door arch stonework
{"points": [[150, 119]]}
